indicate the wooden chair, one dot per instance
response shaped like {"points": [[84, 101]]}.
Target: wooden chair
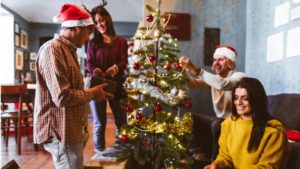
{"points": [[11, 165], [14, 118]]}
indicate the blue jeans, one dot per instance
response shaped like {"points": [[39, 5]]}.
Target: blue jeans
{"points": [[99, 115], [65, 156]]}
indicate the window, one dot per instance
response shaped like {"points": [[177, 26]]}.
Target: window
{"points": [[7, 66]]}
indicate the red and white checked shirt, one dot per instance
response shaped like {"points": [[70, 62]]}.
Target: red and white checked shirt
{"points": [[60, 99]]}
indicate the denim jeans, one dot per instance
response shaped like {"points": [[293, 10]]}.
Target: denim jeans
{"points": [[65, 156], [100, 118]]}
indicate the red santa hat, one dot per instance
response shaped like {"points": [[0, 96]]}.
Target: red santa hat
{"points": [[71, 15], [227, 51]]}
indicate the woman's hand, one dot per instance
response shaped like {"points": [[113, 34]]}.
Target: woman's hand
{"points": [[211, 166], [98, 73], [112, 71]]}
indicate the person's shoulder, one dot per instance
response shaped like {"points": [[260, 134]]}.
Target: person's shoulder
{"points": [[50, 49], [229, 120], [121, 39], [275, 125], [50, 44], [240, 74]]}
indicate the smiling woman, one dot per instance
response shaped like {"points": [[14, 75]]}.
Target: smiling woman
{"points": [[261, 139]]}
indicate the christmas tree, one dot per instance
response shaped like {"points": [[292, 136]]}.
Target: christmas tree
{"points": [[155, 135]]}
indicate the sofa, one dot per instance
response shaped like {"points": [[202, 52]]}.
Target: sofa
{"points": [[286, 108]]}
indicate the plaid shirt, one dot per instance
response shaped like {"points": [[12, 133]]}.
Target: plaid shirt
{"points": [[60, 98]]}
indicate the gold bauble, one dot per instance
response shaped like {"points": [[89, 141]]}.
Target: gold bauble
{"points": [[163, 84], [130, 79], [157, 33]]}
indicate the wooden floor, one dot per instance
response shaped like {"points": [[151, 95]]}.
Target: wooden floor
{"points": [[30, 159]]}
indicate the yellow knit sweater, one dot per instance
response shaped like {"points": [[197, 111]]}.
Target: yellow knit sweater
{"points": [[272, 152]]}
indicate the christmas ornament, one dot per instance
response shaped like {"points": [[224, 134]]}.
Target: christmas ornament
{"points": [[157, 107], [125, 138], [130, 79], [182, 94], [137, 66], [139, 116], [167, 66], [177, 66], [163, 84], [128, 108], [157, 33], [131, 44], [149, 18], [174, 91], [152, 58], [187, 104]]}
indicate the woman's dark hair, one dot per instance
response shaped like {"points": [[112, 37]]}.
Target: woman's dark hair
{"points": [[258, 101], [98, 39]]}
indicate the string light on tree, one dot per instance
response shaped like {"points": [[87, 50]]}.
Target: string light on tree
{"points": [[155, 83]]}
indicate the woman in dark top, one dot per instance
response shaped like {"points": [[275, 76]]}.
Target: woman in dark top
{"points": [[106, 57]]}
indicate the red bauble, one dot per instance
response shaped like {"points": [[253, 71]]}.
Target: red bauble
{"points": [[167, 66], [128, 108], [157, 107], [149, 18], [146, 145], [152, 58], [125, 137], [139, 116], [187, 104], [177, 66], [131, 44], [137, 66]]}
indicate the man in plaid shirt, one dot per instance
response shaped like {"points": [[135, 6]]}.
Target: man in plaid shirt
{"points": [[60, 116]]}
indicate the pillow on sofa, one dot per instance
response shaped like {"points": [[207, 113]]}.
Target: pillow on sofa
{"points": [[293, 135]]}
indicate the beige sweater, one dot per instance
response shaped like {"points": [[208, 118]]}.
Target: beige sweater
{"points": [[220, 89]]}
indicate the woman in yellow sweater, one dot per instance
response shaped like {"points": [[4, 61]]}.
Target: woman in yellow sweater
{"points": [[251, 138]]}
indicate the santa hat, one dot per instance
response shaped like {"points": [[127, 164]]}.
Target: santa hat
{"points": [[71, 15], [227, 51]]}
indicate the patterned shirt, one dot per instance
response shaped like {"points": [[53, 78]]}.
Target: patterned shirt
{"points": [[60, 98]]}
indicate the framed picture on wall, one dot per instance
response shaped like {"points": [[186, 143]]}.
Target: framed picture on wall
{"points": [[17, 28], [32, 55], [24, 39], [17, 40], [19, 59], [32, 66]]}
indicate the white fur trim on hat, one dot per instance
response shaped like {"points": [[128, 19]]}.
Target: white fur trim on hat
{"points": [[224, 51], [74, 23]]}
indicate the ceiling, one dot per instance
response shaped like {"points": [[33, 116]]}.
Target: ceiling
{"points": [[43, 11]]}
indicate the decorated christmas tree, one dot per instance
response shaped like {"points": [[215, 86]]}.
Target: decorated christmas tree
{"points": [[157, 131]]}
